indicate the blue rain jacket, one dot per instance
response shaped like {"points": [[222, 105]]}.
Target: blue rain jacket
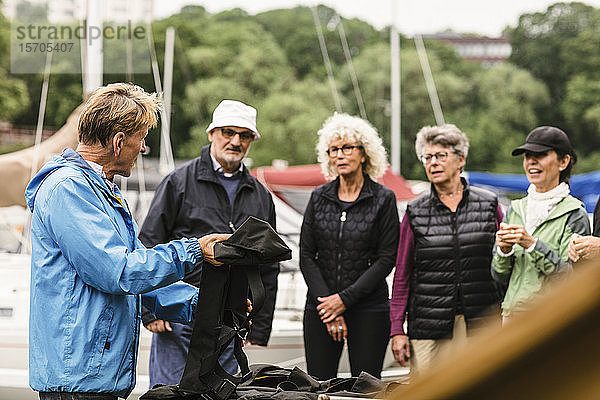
{"points": [[88, 270]]}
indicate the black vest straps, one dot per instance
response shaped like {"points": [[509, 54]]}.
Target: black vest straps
{"points": [[220, 316]]}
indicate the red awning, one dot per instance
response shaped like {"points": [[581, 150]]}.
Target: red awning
{"points": [[310, 176]]}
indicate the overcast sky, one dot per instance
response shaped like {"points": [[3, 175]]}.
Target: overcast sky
{"points": [[412, 16]]}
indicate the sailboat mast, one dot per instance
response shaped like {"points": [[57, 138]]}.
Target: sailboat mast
{"points": [[395, 93], [92, 66], [166, 164]]}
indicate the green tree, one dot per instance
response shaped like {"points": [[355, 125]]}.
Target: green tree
{"points": [[14, 99], [295, 32], [549, 45], [582, 113], [372, 67], [508, 98], [289, 121]]}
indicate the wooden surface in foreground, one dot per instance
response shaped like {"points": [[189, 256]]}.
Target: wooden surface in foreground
{"points": [[550, 352]]}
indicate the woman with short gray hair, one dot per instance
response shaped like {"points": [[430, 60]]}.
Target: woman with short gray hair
{"points": [[447, 135], [444, 254]]}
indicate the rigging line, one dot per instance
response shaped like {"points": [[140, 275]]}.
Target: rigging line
{"points": [[25, 242], [429, 82], [395, 96], [41, 115], [129, 60], [353, 77], [324, 53], [165, 119], [168, 163], [129, 78], [184, 67]]}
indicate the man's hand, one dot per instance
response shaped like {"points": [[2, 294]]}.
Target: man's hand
{"points": [[207, 245], [159, 326], [330, 307], [401, 349], [337, 329], [583, 247]]}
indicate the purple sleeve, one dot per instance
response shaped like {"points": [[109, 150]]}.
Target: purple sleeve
{"points": [[499, 216], [400, 287]]}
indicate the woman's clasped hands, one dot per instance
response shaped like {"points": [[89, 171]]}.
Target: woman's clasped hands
{"points": [[510, 234]]}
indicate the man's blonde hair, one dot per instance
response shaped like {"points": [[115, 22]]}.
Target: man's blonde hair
{"points": [[118, 107]]}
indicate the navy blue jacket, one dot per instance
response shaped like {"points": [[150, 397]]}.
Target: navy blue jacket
{"points": [[191, 201]]}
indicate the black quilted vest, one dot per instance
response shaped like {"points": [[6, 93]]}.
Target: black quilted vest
{"points": [[453, 253], [347, 240]]}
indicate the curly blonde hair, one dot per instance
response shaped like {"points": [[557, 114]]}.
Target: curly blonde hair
{"points": [[354, 129]]}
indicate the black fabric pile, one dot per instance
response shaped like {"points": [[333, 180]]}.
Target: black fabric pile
{"points": [[272, 382], [221, 318], [254, 242]]}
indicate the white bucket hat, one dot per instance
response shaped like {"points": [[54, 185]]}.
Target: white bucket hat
{"points": [[234, 113]]}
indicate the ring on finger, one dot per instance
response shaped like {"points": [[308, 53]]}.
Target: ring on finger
{"points": [[332, 328]]}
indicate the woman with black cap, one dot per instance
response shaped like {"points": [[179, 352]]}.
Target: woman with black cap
{"points": [[532, 241]]}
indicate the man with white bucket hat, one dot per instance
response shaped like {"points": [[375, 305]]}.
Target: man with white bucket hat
{"points": [[211, 193]]}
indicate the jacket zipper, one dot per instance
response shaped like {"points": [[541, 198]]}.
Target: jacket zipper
{"points": [[232, 206], [136, 341], [457, 269], [339, 254]]}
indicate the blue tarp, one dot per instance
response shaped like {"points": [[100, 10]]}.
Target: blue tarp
{"points": [[586, 187]]}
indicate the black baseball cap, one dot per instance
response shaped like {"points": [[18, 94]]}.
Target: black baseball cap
{"points": [[544, 138]]}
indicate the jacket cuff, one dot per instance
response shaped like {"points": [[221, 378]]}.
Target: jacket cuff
{"points": [[147, 316], [532, 247], [257, 337], [345, 298], [397, 329], [510, 253], [193, 247]]}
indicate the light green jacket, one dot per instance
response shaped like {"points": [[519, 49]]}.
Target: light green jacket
{"points": [[526, 272]]}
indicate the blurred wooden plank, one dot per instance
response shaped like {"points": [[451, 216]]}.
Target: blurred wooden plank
{"points": [[550, 352]]}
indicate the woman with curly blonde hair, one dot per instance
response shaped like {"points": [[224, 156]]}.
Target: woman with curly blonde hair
{"points": [[347, 247]]}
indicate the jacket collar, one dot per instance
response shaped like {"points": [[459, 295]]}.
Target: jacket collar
{"points": [[108, 188], [205, 171], [75, 159], [564, 206], [330, 191], [434, 197]]}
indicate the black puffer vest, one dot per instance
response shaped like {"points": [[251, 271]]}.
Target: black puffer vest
{"points": [[453, 254], [348, 241]]}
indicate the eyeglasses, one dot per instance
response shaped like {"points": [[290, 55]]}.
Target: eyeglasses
{"points": [[245, 136], [346, 150], [441, 156]]}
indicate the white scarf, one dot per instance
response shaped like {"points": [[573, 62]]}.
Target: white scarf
{"points": [[539, 205]]}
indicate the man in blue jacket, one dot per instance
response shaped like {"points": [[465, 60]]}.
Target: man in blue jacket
{"points": [[88, 268]]}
